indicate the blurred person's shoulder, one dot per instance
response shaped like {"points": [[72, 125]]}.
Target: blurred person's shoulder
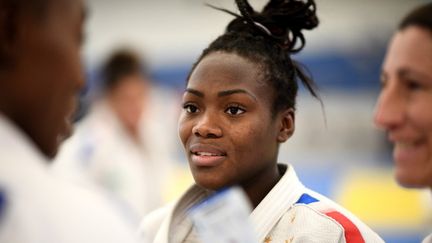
{"points": [[100, 123], [39, 207], [57, 211], [95, 133], [62, 213]]}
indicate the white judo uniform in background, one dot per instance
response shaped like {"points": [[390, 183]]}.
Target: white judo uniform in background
{"points": [[102, 154], [38, 207], [428, 239], [289, 213]]}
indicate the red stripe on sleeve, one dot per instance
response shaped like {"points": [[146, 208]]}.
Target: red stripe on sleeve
{"points": [[352, 233]]}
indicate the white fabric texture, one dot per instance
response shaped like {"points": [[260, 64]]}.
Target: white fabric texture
{"points": [[101, 154], [428, 239], [41, 208], [280, 217]]}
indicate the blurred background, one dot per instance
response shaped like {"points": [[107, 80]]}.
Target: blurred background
{"points": [[336, 150]]}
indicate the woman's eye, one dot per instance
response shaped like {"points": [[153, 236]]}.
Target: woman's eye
{"points": [[383, 83], [190, 108], [234, 110], [413, 85]]}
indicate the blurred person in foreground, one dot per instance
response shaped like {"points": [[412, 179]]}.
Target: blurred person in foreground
{"points": [[404, 107], [40, 76], [238, 108], [118, 147]]}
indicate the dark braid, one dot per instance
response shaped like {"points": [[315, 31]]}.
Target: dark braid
{"points": [[293, 17], [246, 10], [267, 39]]}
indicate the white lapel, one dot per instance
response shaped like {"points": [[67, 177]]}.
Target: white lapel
{"points": [[286, 192]]}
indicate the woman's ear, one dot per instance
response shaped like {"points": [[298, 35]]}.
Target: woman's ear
{"points": [[286, 125]]}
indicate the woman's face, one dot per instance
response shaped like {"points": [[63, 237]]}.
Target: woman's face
{"points": [[127, 99], [226, 125], [404, 106]]}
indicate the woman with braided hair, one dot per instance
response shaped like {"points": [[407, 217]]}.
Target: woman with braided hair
{"points": [[238, 107]]}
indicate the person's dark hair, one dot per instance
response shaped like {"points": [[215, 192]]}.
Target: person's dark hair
{"points": [[421, 16], [268, 39], [120, 64]]}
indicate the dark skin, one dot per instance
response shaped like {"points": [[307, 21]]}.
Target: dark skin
{"points": [[230, 135], [41, 72], [256, 188]]}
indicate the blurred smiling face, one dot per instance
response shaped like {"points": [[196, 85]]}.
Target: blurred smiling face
{"points": [[404, 107], [226, 125]]}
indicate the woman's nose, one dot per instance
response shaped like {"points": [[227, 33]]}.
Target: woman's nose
{"points": [[389, 111], [207, 127]]}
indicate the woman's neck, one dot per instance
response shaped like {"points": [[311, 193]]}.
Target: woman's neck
{"points": [[258, 187]]}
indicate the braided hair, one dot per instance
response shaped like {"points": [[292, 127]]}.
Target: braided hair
{"points": [[268, 38]]}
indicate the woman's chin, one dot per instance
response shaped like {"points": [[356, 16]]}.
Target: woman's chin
{"points": [[412, 180], [210, 184]]}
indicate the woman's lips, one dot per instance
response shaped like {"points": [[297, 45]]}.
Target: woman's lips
{"points": [[406, 152], [207, 161], [206, 155]]}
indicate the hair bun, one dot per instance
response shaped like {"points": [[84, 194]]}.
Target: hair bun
{"points": [[283, 20], [292, 14]]}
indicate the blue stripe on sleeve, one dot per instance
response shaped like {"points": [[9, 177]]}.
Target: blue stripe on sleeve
{"points": [[306, 199]]}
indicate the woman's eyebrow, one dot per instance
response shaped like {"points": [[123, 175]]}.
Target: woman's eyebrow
{"points": [[194, 92], [405, 72], [235, 91]]}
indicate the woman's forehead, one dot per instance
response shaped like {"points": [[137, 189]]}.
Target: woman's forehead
{"points": [[408, 50], [226, 67]]}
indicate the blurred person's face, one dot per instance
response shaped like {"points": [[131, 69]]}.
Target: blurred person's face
{"points": [[39, 89], [404, 106], [127, 99], [226, 126]]}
